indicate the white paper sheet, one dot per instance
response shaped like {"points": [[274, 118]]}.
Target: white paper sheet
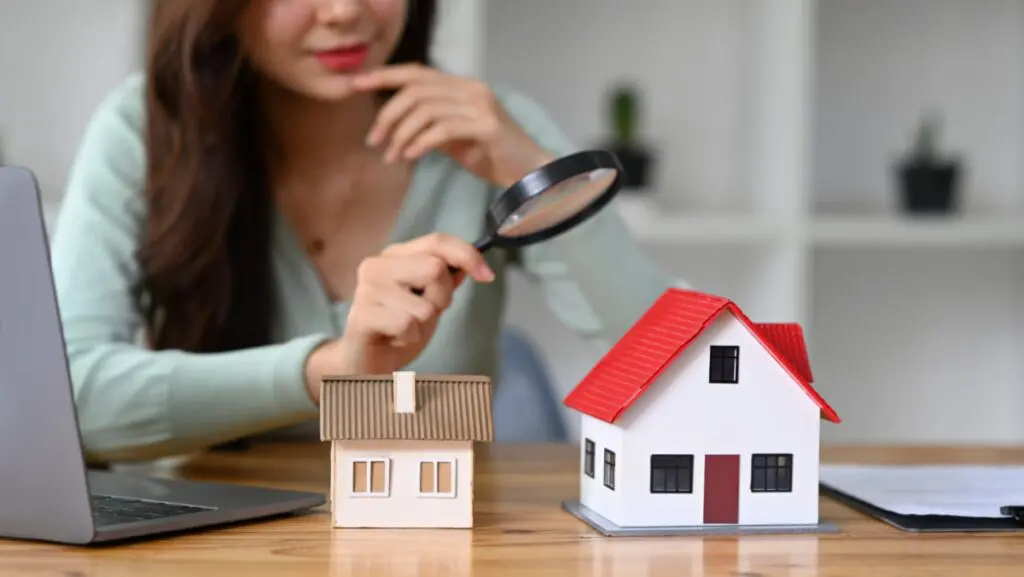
{"points": [[955, 490]]}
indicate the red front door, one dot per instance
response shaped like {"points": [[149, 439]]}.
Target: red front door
{"points": [[721, 488]]}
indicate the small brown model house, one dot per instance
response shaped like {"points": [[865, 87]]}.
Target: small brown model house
{"points": [[402, 447]]}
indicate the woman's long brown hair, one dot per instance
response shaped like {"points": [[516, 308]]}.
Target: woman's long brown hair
{"points": [[205, 252]]}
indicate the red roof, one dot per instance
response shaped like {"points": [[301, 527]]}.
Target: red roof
{"points": [[665, 330]]}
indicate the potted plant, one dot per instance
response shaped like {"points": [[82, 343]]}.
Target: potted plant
{"points": [[636, 159], [928, 181]]}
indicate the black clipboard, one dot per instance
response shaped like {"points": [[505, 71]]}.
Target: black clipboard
{"points": [[1012, 522]]}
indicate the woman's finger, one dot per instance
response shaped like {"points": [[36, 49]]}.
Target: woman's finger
{"points": [[411, 271], [424, 308], [420, 119], [432, 287], [439, 292], [395, 76], [441, 133], [393, 324], [453, 251], [401, 104]]}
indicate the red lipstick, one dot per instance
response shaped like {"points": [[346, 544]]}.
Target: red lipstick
{"points": [[344, 59]]}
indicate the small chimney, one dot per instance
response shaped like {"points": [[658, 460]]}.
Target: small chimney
{"points": [[405, 391]]}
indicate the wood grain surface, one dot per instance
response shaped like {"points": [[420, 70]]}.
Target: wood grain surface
{"points": [[521, 532]]}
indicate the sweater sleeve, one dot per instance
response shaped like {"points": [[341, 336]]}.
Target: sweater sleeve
{"points": [[132, 402], [595, 278]]}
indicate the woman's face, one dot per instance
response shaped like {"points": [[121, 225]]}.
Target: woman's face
{"points": [[314, 47]]}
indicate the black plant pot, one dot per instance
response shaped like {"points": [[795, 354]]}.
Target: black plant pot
{"points": [[637, 163], [929, 188]]}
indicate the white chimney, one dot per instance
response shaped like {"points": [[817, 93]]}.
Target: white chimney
{"points": [[405, 391]]}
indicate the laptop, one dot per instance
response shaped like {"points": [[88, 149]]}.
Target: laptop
{"points": [[47, 492]]}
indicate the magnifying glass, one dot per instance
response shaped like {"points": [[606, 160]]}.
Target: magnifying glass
{"points": [[552, 200]]}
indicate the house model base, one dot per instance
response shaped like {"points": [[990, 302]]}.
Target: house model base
{"points": [[609, 529]]}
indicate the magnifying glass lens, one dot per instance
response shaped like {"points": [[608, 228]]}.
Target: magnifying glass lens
{"points": [[558, 203]]}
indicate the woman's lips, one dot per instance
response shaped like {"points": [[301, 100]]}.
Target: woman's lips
{"points": [[344, 59]]}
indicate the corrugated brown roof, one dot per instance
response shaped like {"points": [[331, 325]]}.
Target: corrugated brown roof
{"points": [[448, 408]]}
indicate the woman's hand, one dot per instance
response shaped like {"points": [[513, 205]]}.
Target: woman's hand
{"points": [[459, 116], [388, 324]]}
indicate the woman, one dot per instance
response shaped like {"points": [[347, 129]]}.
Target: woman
{"points": [[251, 213]]}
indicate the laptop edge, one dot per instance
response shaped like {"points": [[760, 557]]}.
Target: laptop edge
{"points": [[45, 486]]}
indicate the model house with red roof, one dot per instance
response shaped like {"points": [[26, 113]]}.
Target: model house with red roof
{"points": [[700, 420]]}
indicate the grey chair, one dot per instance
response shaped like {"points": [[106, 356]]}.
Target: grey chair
{"points": [[525, 409]]}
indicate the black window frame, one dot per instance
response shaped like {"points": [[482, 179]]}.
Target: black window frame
{"points": [[675, 467], [588, 457], [765, 471], [609, 469], [724, 358]]}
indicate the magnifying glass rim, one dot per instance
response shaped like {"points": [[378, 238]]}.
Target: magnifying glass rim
{"points": [[542, 179]]}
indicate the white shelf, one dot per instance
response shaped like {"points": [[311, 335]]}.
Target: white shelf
{"points": [[653, 224], [677, 228], [886, 231]]}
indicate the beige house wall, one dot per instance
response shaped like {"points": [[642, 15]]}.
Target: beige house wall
{"points": [[390, 472]]}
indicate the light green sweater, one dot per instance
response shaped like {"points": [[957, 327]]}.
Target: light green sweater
{"points": [[135, 403]]}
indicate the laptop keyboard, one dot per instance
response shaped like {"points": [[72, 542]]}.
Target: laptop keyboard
{"points": [[107, 510]]}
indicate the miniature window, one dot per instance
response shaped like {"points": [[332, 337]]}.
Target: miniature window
{"points": [[725, 364], [371, 477], [771, 473], [609, 469], [437, 478], [588, 458], [671, 473]]}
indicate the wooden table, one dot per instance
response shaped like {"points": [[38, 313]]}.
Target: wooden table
{"points": [[522, 532]]}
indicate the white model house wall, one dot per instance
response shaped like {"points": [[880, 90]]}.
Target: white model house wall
{"points": [[681, 413]]}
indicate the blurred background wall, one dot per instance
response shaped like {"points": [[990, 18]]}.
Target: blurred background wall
{"points": [[773, 128], [58, 59], [914, 321]]}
